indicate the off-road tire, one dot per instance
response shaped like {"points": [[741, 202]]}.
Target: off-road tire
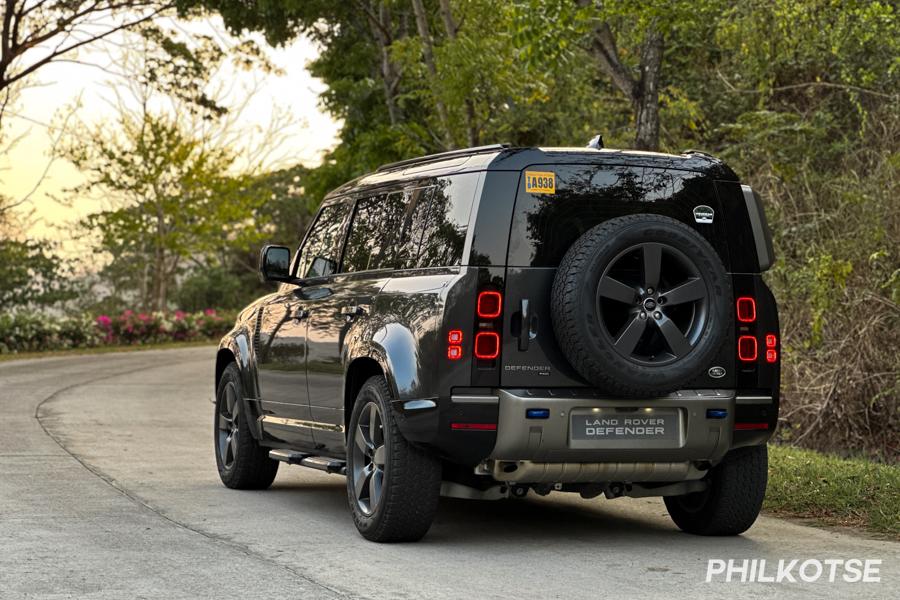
{"points": [[577, 323], [251, 467], [731, 503], [412, 477]]}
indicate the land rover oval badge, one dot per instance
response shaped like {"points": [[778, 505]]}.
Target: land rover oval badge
{"points": [[703, 214], [717, 372]]}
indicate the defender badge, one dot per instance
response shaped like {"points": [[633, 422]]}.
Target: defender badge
{"points": [[703, 214], [717, 372]]}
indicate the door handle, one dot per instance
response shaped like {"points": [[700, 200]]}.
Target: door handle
{"points": [[352, 311], [299, 315]]}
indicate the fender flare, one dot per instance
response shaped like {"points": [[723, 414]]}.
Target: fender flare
{"points": [[395, 349], [236, 347]]}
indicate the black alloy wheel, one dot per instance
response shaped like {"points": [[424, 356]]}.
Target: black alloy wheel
{"points": [[242, 463], [367, 471], [228, 434], [653, 303]]}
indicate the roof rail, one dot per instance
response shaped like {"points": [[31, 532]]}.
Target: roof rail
{"points": [[442, 155]]}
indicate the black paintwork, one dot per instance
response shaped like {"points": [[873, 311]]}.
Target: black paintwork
{"points": [[305, 350]]}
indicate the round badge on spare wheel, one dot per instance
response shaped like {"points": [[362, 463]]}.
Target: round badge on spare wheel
{"points": [[641, 305]]}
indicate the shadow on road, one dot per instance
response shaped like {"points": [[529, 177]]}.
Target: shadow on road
{"points": [[529, 522]]}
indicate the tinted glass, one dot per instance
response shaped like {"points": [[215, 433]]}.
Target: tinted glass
{"points": [[417, 202], [320, 253], [446, 220], [545, 226], [376, 227]]}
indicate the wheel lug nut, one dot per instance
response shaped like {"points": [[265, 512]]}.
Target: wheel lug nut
{"points": [[649, 290], [657, 315], [643, 315]]}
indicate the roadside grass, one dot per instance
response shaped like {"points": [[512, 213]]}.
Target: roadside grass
{"points": [[105, 350], [834, 491]]}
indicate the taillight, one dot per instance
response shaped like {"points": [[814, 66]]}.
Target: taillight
{"points": [[454, 344], [746, 309], [771, 348], [489, 305], [747, 348], [487, 345]]}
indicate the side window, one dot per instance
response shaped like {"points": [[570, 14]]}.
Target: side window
{"points": [[417, 201], [446, 221], [376, 227], [321, 252]]}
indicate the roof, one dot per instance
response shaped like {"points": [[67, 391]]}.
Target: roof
{"points": [[502, 157]]}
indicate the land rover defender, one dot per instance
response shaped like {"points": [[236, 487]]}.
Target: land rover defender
{"points": [[498, 321]]}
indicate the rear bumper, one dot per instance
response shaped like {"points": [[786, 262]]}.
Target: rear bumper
{"points": [[498, 426], [550, 440]]}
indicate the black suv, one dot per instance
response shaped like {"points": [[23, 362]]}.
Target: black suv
{"points": [[493, 321]]}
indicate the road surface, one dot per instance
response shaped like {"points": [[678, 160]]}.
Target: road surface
{"points": [[108, 489]]}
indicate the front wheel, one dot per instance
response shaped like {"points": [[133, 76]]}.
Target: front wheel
{"points": [[732, 500], [242, 463], [393, 487]]}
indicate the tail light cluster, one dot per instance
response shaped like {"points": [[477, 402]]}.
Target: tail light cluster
{"points": [[748, 345], [486, 346], [487, 338]]}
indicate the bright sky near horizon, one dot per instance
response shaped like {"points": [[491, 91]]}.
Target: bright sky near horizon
{"points": [[61, 84]]}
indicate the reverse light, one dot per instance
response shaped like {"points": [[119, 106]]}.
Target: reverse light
{"points": [[454, 352], [455, 336], [746, 309], [489, 305], [487, 345], [747, 348]]}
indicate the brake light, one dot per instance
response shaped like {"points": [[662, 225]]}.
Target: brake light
{"points": [[455, 336], [489, 305], [454, 352], [487, 345], [747, 348], [746, 309]]}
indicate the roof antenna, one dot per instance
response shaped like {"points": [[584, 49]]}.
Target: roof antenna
{"points": [[596, 142]]}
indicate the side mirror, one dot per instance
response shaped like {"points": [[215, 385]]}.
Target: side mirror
{"points": [[275, 263]]}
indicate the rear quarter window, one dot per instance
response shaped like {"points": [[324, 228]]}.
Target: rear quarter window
{"points": [[440, 220]]}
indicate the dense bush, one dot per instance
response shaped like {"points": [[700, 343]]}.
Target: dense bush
{"points": [[23, 332]]}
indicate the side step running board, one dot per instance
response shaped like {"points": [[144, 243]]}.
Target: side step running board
{"points": [[321, 463]]}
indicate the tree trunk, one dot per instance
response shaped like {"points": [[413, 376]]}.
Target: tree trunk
{"points": [[643, 92], [451, 28], [159, 267], [647, 99], [390, 78], [428, 53]]}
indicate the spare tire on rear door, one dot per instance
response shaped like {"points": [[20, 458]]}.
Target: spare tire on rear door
{"points": [[641, 305]]}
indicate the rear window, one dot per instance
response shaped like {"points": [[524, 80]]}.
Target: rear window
{"points": [[546, 225]]}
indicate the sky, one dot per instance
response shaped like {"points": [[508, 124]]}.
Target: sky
{"points": [[60, 85]]}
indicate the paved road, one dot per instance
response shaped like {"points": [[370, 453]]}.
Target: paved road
{"points": [[108, 489]]}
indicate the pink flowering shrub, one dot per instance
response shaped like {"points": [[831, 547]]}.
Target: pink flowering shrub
{"points": [[22, 332]]}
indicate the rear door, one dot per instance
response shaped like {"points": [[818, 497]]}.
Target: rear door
{"points": [[343, 301], [548, 219]]}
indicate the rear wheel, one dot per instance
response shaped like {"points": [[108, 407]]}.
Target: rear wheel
{"points": [[243, 464], [393, 487], [732, 500]]}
